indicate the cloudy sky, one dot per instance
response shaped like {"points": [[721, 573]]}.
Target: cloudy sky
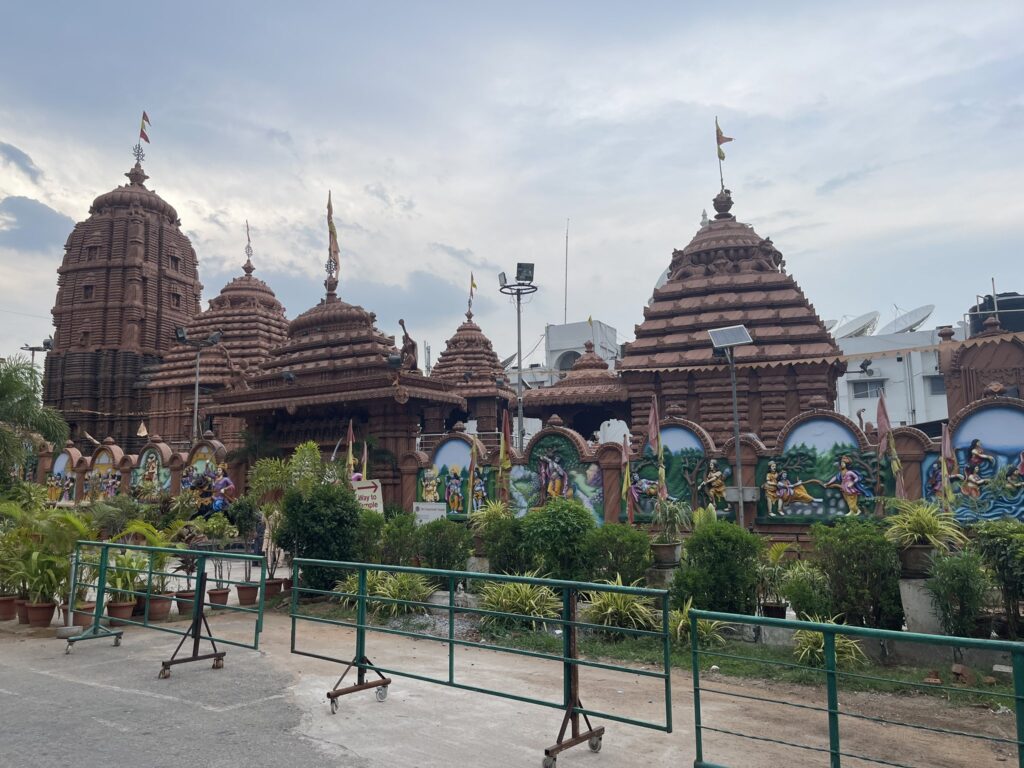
{"points": [[878, 144]]}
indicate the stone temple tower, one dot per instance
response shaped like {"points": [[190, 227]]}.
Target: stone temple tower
{"points": [[129, 277]]}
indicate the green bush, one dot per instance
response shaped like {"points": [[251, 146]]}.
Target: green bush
{"points": [[398, 542], [863, 570], [505, 547], [958, 585], [245, 516], [620, 609], [710, 633], [809, 647], [807, 589], [391, 511], [444, 544], [719, 569], [414, 587], [556, 532], [369, 546], [617, 550], [1001, 544], [319, 525], [536, 601]]}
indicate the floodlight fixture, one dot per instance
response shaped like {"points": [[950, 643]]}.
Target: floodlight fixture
{"points": [[730, 336], [865, 367], [502, 280], [394, 361], [723, 340], [181, 335], [48, 344], [524, 272], [214, 338]]}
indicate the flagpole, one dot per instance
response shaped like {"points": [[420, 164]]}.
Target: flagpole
{"points": [[718, 147], [565, 305]]}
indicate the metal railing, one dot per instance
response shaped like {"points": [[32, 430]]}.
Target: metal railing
{"points": [[567, 621], [834, 675], [142, 576]]}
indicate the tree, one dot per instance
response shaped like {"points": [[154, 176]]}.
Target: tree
{"points": [[23, 417]]}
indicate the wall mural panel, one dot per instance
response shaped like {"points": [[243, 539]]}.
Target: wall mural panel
{"points": [[820, 474], [987, 477], [689, 474], [60, 483], [554, 469], [447, 480], [150, 478], [103, 480]]}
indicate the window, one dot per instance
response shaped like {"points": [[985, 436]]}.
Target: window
{"points": [[175, 299], [936, 385], [175, 263], [867, 389], [86, 292]]}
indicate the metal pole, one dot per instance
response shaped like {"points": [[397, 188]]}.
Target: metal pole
{"points": [[736, 436], [519, 380], [195, 402]]}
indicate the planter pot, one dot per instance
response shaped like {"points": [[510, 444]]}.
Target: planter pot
{"points": [[274, 587], [287, 585], [667, 555], [248, 594], [774, 610], [21, 610], [218, 596], [918, 608], [40, 614], [83, 614], [478, 545], [7, 609], [184, 601], [982, 626], [915, 561], [140, 606], [160, 606], [121, 611]]}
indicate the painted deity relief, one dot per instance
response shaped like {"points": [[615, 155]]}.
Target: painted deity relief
{"points": [[986, 475], [103, 480], [820, 474], [150, 478], [448, 480], [554, 470], [60, 482], [689, 474]]}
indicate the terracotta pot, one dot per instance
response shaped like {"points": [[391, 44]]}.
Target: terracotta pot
{"points": [[83, 614], [120, 611], [274, 587], [287, 585], [666, 555], [160, 606], [916, 561], [184, 600], [248, 593], [7, 609], [140, 606], [218, 596], [21, 610], [40, 614], [774, 610]]}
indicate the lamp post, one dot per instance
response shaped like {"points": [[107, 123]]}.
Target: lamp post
{"points": [[200, 345], [46, 346], [523, 286], [724, 340]]}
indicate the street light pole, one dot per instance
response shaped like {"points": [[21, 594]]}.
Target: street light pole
{"points": [[736, 437], [212, 340], [523, 286]]}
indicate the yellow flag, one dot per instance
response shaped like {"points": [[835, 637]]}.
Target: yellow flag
{"points": [[590, 320]]}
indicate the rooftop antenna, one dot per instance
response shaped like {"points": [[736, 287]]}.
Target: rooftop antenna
{"points": [[565, 305]]}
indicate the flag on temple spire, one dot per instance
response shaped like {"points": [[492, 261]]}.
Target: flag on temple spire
{"points": [[350, 460], [143, 136], [333, 249], [472, 285], [721, 138]]}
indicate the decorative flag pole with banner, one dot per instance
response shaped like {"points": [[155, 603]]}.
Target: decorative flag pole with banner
{"points": [[472, 287], [887, 445], [470, 495], [654, 438], [505, 455], [627, 481], [350, 459], [143, 137], [365, 466], [949, 467], [333, 249], [721, 138]]}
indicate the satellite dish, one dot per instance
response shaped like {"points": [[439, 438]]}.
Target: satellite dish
{"points": [[830, 324], [910, 321], [859, 326]]}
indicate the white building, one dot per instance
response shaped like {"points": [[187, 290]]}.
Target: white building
{"points": [[903, 365]]}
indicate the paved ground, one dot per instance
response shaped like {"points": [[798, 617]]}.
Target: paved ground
{"points": [[105, 706]]}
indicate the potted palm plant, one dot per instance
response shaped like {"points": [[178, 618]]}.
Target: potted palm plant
{"points": [[123, 581], [245, 517], [275, 555], [921, 528], [42, 575], [8, 579], [220, 531], [771, 573], [669, 518]]}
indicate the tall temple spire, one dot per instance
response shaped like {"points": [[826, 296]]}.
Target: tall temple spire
{"points": [[248, 268]]}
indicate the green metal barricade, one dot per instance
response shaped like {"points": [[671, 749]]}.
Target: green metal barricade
{"points": [[106, 573], [833, 678], [572, 731]]}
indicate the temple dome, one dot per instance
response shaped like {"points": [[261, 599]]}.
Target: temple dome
{"points": [[135, 194], [589, 381], [469, 351]]}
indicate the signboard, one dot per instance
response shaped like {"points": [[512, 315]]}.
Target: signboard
{"points": [[368, 494], [426, 511]]}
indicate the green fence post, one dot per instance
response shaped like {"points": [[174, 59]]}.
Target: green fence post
{"points": [[149, 589], [1018, 698], [567, 596], [695, 665], [361, 626], [833, 698], [101, 587], [451, 629], [294, 599], [667, 652]]}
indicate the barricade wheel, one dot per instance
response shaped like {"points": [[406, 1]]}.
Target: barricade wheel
{"points": [[117, 641], [67, 650], [218, 663], [594, 743], [549, 762], [382, 693], [334, 706], [164, 673]]}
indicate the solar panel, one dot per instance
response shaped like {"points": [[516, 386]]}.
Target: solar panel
{"points": [[732, 336]]}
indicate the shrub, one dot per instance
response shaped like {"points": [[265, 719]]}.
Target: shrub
{"points": [[863, 571], [391, 511], [620, 609], [617, 550], [413, 587], [807, 589], [369, 545], [320, 525], [958, 585], [536, 601], [505, 547], [245, 516], [481, 519], [719, 569], [350, 585], [710, 633], [398, 542], [1001, 545], [556, 533], [809, 647], [444, 544], [922, 522]]}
